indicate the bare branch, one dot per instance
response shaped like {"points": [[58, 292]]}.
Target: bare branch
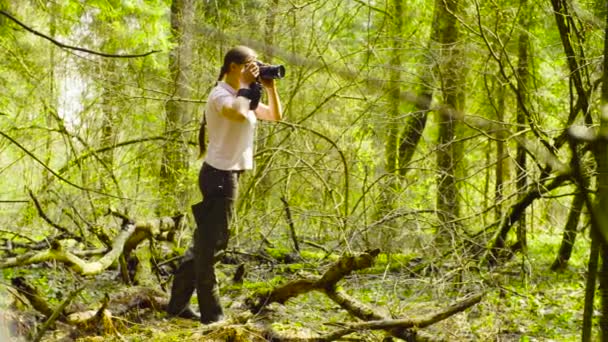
{"points": [[65, 46]]}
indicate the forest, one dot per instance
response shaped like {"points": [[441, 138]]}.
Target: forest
{"points": [[440, 172]]}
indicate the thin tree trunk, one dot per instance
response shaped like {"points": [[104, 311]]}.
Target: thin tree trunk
{"points": [[390, 183], [448, 151], [590, 288], [565, 249], [501, 155], [416, 121], [523, 76], [178, 114], [108, 103], [392, 140], [601, 157], [264, 136]]}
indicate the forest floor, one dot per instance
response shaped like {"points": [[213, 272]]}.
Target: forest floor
{"points": [[524, 300]]}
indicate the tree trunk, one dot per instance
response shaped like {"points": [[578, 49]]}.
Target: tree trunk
{"points": [[565, 250], [590, 287], [394, 89], [523, 76], [501, 154], [601, 157], [416, 121], [264, 136], [178, 114], [108, 105], [448, 150], [390, 184]]}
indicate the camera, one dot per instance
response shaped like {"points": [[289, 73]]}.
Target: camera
{"points": [[271, 72]]}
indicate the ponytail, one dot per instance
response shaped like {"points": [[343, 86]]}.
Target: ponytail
{"points": [[222, 72], [202, 146], [238, 54]]}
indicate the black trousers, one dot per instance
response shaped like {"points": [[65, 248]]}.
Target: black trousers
{"points": [[196, 271]]}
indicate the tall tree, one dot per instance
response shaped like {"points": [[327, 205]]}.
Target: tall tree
{"points": [[415, 123], [601, 158], [394, 87], [448, 150], [573, 41], [178, 113], [523, 76]]}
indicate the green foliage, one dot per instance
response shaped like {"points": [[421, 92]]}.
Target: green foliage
{"points": [[90, 134]]}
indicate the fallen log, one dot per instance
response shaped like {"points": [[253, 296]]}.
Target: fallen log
{"points": [[32, 295], [57, 314], [404, 323], [340, 269], [366, 313], [129, 237], [79, 265], [404, 328]]}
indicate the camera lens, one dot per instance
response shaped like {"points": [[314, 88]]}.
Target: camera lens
{"points": [[269, 72]]}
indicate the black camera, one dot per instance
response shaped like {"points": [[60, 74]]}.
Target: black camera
{"points": [[271, 72]]}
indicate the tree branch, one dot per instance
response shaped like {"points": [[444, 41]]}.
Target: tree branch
{"points": [[405, 322], [65, 46], [340, 269]]}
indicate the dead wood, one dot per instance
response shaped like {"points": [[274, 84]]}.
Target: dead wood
{"points": [[79, 265], [129, 237], [340, 269], [404, 328], [57, 313], [151, 229], [366, 313], [404, 322], [31, 293]]}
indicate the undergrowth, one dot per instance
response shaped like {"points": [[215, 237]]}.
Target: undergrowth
{"points": [[524, 300]]}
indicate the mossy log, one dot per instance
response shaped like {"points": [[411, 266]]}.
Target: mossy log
{"points": [[340, 269], [404, 323], [405, 328], [130, 236], [101, 320]]}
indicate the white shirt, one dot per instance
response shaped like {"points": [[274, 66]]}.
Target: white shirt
{"points": [[230, 142]]}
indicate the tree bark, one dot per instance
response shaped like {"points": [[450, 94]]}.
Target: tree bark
{"points": [[178, 114], [448, 150], [394, 88], [517, 210], [601, 199], [128, 238], [570, 232], [523, 76]]}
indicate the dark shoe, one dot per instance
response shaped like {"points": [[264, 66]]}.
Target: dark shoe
{"points": [[187, 313], [212, 319]]}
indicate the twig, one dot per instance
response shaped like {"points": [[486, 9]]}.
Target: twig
{"points": [[48, 220], [65, 46], [314, 244], [56, 314], [292, 229], [404, 323]]}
